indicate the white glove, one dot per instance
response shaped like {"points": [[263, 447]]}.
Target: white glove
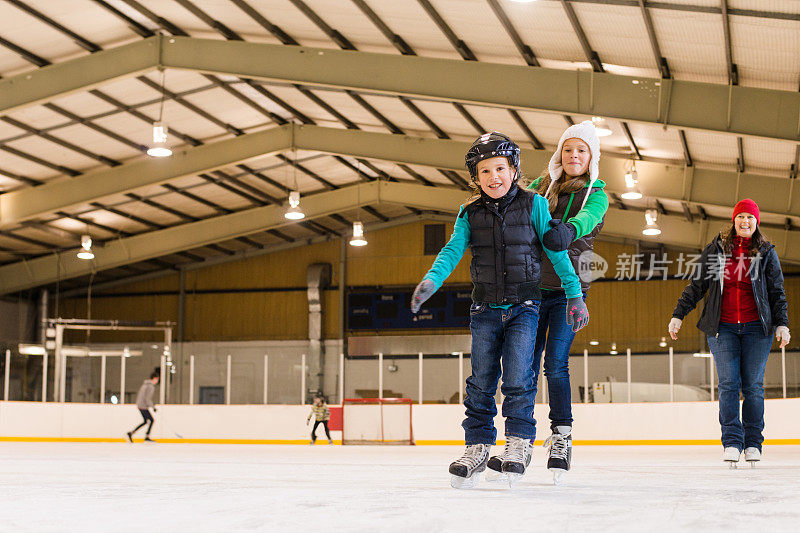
{"points": [[674, 327], [782, 334]]}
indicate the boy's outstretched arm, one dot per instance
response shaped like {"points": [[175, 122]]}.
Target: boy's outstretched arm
{"points": [[445, 262]]}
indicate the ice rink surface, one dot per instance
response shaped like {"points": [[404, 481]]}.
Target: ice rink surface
{"points": [[202, 487]]}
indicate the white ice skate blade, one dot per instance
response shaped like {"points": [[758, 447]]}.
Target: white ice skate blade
{"points": [[558, 475], [733, 465], [493, 476], [753, 463], [458, 482], [513, 479]]}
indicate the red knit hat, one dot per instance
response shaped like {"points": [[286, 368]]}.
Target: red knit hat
{"points": [[747, 206]]}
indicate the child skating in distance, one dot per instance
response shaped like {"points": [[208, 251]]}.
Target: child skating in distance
{"points": [[321, 414], [144, 402], [503, 226]]}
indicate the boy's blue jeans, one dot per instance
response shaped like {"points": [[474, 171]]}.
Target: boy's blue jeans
{"points": [[740, 352], [507, 336], [555, 337]]}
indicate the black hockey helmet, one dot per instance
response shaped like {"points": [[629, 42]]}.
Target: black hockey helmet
{"points": [[490, 145]]}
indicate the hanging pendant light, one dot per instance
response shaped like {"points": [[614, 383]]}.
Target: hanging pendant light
{"points": [[601, 127], [358, 234], [632, 185], [294, 212], [86, 248], [160, 148], [651, 228]]}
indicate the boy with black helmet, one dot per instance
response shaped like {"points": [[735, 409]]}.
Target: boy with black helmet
{"points": [[503, 226]]}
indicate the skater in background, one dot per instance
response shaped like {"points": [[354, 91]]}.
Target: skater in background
{"points": [[144, 402], [578, 205], [321, 414], [503, 226], [746, 305]]}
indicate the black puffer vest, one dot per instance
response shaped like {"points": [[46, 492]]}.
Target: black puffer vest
{"points": [[506, 254], [550, 279]]}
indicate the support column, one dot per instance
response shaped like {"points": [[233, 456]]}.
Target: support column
{"points": [[122, 364], [671, 374], [628, 358], [191, 380], [585, 376], [228, 381], [102, 379]]}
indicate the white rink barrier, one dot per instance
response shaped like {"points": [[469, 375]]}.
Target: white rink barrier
{"points": [[635, 423]]}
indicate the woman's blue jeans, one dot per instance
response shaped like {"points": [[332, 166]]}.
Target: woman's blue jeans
{"points": [[740, 352]]}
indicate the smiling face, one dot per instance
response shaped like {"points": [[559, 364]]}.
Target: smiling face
{"points": [[495, 176], [575, 157], [745, 225]]}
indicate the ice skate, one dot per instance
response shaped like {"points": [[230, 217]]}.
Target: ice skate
{"points": [[466, 469], [752, 455], [494, 470], [559, 452], [148, 439], [516, 458], [731, 456], [130, 437]]}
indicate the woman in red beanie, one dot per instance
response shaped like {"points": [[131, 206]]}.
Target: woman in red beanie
{"points": [[746, 305]]}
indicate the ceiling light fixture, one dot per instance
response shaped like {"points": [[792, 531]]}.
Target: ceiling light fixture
{"points": [[160, 148], [651, 229], [294, 212], [601, 127], [632, 185], [86, 248], [358, 227]]}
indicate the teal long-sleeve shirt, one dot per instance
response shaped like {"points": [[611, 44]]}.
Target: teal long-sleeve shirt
{"points": [[453, 251]]}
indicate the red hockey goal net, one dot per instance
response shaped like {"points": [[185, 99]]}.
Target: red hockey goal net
{"points": [[377, 421]]}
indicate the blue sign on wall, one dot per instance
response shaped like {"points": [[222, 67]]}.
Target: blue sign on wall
{"points": [[391, 310]]}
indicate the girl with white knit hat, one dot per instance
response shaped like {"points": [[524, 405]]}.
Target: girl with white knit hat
{"points": [[578, 205]]}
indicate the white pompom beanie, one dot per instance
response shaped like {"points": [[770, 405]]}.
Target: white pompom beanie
{"points": [[586, 132]]}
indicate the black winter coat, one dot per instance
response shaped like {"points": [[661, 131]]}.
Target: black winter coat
{"points": [[767, 279]]}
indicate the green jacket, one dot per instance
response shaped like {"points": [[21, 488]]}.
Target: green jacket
{"points": [[591, 214]]}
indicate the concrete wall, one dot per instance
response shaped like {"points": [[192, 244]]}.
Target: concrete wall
{"points": [[687, 422]]}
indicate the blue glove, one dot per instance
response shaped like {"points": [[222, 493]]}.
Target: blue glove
{"points": [[424, 290], [577, 314], [560, 236]]}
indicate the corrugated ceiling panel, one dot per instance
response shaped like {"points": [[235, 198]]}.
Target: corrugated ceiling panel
{"points": [[776, 6], [96, 142], [26, 31], [544, 27], [393, 109], [708, 147], [38, 117], [693, 44], [653, 141], [767, 52], [412, 23], [777, 156], [349, 20], [617, 33], [491, 43]]}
